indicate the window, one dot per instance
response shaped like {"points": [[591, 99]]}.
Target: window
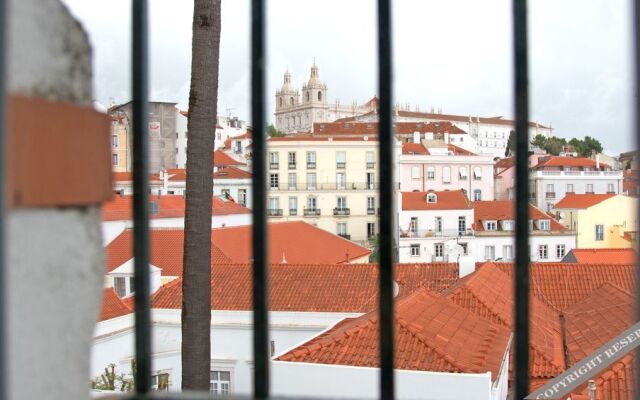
{"points": [[273, 160], [312, 203], [507, 225], [114, 140], [293, 181], [119, 284], [160, 382], [220, 382], [413, 225], [415, 172], [293, 205], [225, 193], [569, 187], [589, 187], [599, 232], [438, 250], [370, 180], [432, 198], [489, 252], [371, 162], [341, 203], [415, 250], [319, 96], [462, 173], [341, 228], [507, 252], [610, 188], [560, 251], [371, 230], [274, 203], [274, 181], [462, 225], [242, 196], [543, 252], [544, 225], [477, 173], [490, 225], [311, 181], [114, 159], [438, 224], [431, 173], [311, 159], [446, 175], [371, 205], [292, 160], [341, 159], [477, 195], [340, 181]]}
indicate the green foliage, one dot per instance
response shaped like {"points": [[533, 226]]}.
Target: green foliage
{"points": [[553, 145], [374, 257], [109, 380], [273, 132]]}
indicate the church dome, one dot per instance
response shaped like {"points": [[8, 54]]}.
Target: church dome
{"points": [[314, 79], [286, 86]]}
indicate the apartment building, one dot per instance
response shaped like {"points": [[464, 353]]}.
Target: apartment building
{"points": [[553, 177], [599, 220], [328, 182]]}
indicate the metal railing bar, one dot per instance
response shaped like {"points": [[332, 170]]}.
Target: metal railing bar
{"points": [[521, 292], [260, 273], [139, 79], [385, 87], [3, 193], [636, 116]]}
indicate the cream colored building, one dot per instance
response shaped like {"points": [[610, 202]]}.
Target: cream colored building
{"points": [[120, 143], [331, 183], [600, 221]]}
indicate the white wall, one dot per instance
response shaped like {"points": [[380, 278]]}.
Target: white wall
{"points": [[535, 240]]}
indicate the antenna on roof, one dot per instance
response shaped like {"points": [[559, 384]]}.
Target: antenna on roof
{"points": [[284, 259]]}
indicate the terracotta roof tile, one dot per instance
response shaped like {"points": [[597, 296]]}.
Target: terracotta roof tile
{"points": [[503, 210], [122, 176], [414, 148], [601, 256], [572, 200], [120, 208], [311, 287], [446, 200], [232, 173], [371, 128], [561, 161], [459, 151], [505, 163], [312, 138], [222, 159], [432, 334], [112, 306]]}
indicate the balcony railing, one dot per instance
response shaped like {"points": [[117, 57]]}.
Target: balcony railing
{"points": [[371, 211], [292, 166], [550, 195], [341, 165], [452, 233], [442, 258], [341, 211], [274, 212], [311, 165], [274, 165], [335, 186], [345, 235], [293, 211], [311, 212], [371, 165]]}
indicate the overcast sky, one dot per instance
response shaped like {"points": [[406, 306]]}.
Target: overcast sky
{"points": [[454, 55]]}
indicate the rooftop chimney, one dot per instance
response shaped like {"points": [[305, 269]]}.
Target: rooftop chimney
{"points": [[416, 137], [446, 138], [597, 161], [466, 266]]}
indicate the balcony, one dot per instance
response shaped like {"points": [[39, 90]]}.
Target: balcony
{"points": [[311, 212], [292, 166], [293, 211], [341, 165], [311, 165], [427, 233], [274, 212], [550, 195], [330, 186], [371, 165], [443, 258], [274, 165], [578, 174], [371, 211], [341, 211], [345, 235]]}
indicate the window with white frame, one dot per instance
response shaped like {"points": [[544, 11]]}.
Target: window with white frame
{"points": [[569, 187], [341, 181], [507, 225], [610, 188], [507, 252], [543, 252], [489, 252], [438, 224], [477, 173], [160, 382], [114, 140], [292, 159], [415, 172], [114, 159], [274, 181], [371, 230], [415, 250], [413, 225], [341, 203], [370, 159], [431, 173], [490, 225], [274, 203], [242, 196], [273, 159], [589, 188], [311, 159], [371, 203], [293, 205], [311, 181], [438, 250], [544, 225], [599, 232], [462, 173], [560, 251], [446, 175], [477, 195], [312, 203], [341, 228], [124, 285], [220, 382], [341, 159], [293, 181]]}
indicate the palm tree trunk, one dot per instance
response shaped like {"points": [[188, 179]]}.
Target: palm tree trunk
{"points": [[196, 285]]}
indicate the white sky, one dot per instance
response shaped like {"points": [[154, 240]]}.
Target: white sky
{"points": [[454, 55]]}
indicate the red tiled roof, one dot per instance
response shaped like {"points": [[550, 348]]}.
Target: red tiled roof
{"points": [[601, 256], [222, 159], [312, 138], [414, 148], [488, 293], [432, 334], [501, 210], [120, 208], [112, 305], [505, 163], [232, 173], [561, 161], [311, 287], [296, 242], [459, 151], [247, 135], [122, 176], [446, 200], [572, 200]]}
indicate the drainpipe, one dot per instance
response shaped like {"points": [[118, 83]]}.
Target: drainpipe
{"points": [[592, 389]]}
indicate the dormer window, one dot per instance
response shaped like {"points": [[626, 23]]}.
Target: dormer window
{"points": [[432, 198], [124, 285], [544, 224], [507, 225], [490, 225]]}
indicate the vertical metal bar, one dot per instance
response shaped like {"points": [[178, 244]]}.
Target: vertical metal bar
{"points": [[3, 180], [636, 116], [521, 292], [386, 162], [139, 78], [260, 255]]}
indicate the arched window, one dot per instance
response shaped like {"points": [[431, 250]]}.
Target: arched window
{"points": [[308, 96], [291, 100], [432, 198], [319, 96], [415, 172], [477, 195]]}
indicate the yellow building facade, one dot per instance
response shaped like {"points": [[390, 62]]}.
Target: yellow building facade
{"points": [[120, 154]]}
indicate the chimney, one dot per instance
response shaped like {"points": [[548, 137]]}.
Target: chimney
{"points": [[466, 266], [597, 161], [348, 260], [416, 137], [446, 138]]}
